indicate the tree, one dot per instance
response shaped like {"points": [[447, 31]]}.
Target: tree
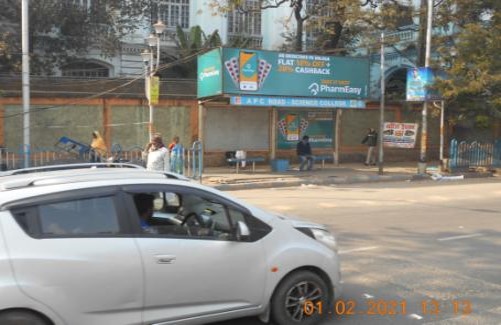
{"points": [[332, 18], [470, 55], [188, 46], [61, 30]]}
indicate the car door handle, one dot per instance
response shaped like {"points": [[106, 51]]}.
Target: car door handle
{"points": [[165, 259]]}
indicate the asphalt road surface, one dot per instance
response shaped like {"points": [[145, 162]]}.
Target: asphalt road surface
{"points": [[412, 253]]}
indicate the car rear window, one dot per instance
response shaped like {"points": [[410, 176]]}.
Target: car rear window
{"points": [[71, 218]]}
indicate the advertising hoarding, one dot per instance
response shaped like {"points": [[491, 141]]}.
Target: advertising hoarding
{"points": [[419, 85], [292, 125], [268, 73], [209, 74]]}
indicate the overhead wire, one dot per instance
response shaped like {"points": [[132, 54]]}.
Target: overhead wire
{"points": [[81, 100]]}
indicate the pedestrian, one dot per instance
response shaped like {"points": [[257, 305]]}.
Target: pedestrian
{"points": [[156, 154], [371, 140], [98, 149], [176, 156], [303, 150]]}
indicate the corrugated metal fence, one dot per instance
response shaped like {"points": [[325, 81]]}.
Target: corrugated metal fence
{"points": [[465, 155]]}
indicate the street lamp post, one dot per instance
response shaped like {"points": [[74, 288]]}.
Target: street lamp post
{"points": [[26, 80], [151, 67]]}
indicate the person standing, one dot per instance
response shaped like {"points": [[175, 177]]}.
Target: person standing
{"points": [[371, 140], [156, 155], [303, 150], [98, 149], [176, 156]]}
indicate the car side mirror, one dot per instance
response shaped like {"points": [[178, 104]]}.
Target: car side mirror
{"points": [[243, 231]]}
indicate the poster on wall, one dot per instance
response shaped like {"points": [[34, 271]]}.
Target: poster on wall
{"points": [[293, 125], [400, 135]]}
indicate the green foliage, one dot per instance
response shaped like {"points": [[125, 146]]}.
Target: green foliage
{"points": [[189, 45], [60, 31], [471, 59]]}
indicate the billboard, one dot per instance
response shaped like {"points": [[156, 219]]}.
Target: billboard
{"points": [[419, 83], [209, 74], [268, 73], [292, 125]]}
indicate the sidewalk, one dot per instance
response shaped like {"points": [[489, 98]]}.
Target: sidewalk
{"points": [[226, 178]]}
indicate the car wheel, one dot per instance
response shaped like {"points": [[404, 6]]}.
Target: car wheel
{"points": [[296, 290], [21, 317]]}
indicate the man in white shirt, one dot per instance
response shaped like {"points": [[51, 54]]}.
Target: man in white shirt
{"points": [[156, 155]]}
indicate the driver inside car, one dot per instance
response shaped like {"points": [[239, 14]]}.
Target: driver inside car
{"points": [[144, 206]]}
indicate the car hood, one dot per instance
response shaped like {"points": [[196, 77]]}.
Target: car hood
{"points": [[298, 223]]}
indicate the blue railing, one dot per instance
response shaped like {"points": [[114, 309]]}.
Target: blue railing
{"points": [[464, 155], [189, 160]]}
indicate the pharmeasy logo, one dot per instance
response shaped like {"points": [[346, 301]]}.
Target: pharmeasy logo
{"points": [[318, 89], [314, 88], [210, 72]]}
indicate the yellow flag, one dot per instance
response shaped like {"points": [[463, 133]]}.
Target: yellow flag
{"points": [[154, 90]]}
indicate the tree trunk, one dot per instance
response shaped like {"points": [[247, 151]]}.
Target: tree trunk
{"points": [[335, 37], [298, 6]]}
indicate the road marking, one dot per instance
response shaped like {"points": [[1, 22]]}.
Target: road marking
{"points": [[460, 237], [367, 296], [415, 316], [361, 249]]}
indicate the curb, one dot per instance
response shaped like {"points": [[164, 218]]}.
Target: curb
{"points": [[318, 181], [359, 179]]}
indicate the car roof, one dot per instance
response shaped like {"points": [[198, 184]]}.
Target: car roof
{"points": [[80, 175], [19, 187], [49, 168], [81, 168]]}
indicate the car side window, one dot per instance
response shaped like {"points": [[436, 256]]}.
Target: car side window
{"points": [[79, 217], [185, 215]]}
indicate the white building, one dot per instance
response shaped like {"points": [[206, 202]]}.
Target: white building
{"points": [[264, 28]]}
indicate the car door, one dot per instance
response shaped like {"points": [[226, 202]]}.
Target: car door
{"points": [[69, 252], [192, 271]]}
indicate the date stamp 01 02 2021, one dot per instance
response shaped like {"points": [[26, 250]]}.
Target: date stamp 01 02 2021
{"points": [[387, 307]]}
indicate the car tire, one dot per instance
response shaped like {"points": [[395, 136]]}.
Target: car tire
{"points": [[287, 303], [21, 317]]}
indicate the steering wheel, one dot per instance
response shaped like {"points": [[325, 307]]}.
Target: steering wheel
{"points": [[191, 215]]}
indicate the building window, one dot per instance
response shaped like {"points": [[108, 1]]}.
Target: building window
{"points": [[246, 22], [175, 13], [85, 70], [81, 3]]}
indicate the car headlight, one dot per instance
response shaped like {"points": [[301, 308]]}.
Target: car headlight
{"points": [[325, 237]]}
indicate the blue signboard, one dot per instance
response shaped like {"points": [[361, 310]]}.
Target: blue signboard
{"points": [[295, 102], [419, 83]]}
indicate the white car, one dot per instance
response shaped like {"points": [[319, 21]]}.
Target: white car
{"points": [[125, 246]]}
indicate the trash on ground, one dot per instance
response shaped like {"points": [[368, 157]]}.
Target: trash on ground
{"points": [[440, 177]]}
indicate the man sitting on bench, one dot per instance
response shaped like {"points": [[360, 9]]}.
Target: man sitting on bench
{"points": [[303, 150]]}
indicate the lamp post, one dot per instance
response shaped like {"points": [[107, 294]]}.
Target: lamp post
{"points": [[381, 109], [26, 80], [151, 67]]}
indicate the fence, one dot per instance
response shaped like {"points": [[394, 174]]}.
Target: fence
{"points": [[464, 155], [190, 159]]}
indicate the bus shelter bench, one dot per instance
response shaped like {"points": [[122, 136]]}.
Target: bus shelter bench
{"points": [[252, 160], [324, 158]]}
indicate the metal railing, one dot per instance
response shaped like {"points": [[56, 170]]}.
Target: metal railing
{"points": [[190, 159], [465, 155]]}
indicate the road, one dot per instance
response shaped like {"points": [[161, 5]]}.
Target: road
{"points": [[433, 249]]}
